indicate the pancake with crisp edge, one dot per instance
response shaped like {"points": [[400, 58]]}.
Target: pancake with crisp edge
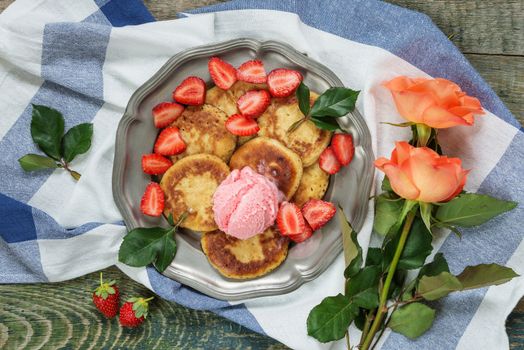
{"points": [[243, 259], [272, 159], [189, 186]]}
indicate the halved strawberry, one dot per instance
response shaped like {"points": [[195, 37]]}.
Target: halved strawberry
{"points": [[290, 220], [169, 142], [342, 145], [191, 91], [318, 212], [252, 72], [165, 113], [283, 82], [155, 164], [239, 125], [328, 161], [223, 74], [253, 103], [301, 237], [152, 202]]}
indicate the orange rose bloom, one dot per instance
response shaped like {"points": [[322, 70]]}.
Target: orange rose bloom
{"points": [[421, 174], [438, 103]]}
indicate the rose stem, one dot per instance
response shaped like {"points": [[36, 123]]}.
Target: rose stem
{"points": [[73, 173], [387, 284]]}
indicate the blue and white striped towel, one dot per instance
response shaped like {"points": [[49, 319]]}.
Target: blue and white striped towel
{"points": [[85, 58]]}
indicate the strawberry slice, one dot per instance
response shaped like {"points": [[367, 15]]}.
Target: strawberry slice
{"points": [[169, 142], [342, 145], [318, 212], [155, 164], [152, 202], [165, 113], [223, 74], [290, 220], [283, 82], [239, 125], [252, 72], [253, 103], [191, 91], [301, 237], [328, 161]]}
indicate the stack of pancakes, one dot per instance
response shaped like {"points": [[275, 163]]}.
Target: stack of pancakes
{"points": [[289, 159]]}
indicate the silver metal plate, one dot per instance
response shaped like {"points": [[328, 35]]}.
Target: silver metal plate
{"points": [[136, 135]]}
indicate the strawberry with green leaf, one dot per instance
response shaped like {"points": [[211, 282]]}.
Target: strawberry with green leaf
{"points": [[134, 311], [106, 298]]}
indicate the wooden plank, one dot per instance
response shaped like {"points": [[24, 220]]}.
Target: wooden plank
{"points": [[62, 315], [4, 4], [505, 74], [477, 26], [164, 10], [515, 329]]}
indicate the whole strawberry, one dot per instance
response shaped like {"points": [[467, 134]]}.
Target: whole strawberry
{"points": [[133, 312], [106, 298]]}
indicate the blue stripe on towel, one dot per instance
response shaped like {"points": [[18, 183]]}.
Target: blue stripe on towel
{"points": [[125, 12], [73, 55], [188, 297], [20, 262], [17, 225]]}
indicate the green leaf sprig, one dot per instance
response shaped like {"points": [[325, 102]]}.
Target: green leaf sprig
{"points": [[47, 131], [334, 103], [156, 245]]}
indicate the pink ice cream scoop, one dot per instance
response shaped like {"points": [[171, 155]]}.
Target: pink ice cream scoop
{"points": [[245, 203]]}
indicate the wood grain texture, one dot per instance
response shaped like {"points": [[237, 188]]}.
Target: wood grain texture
{"points": [[505, 74], [477, 26], [164, 10], [490, 33], [4, 4]]}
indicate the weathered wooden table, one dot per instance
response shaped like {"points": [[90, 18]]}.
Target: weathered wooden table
{"points": [[61, 315]]}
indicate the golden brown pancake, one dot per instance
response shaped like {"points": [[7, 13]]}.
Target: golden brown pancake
{"points": [[221, 99], [203, 130], [307, 140], [189, 186], [242, 259], [313, 184], [272, 159]]}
